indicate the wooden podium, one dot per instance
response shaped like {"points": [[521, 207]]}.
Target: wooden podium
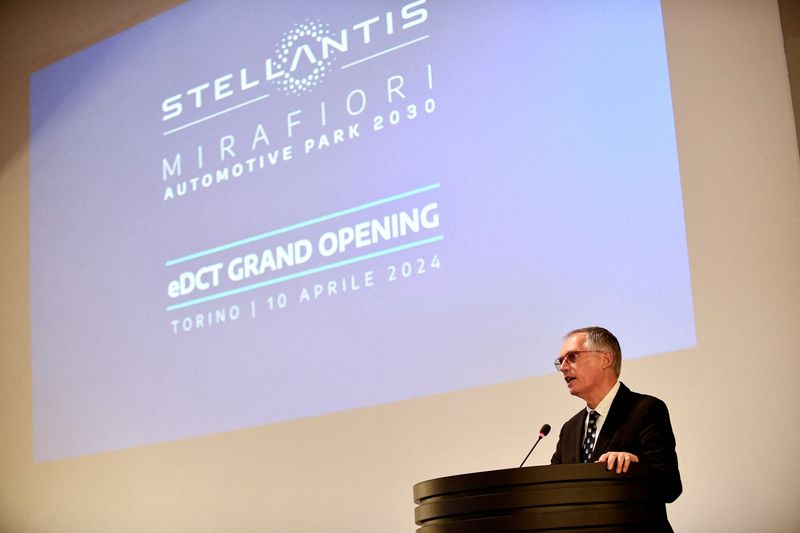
{"points": [[574, 497]]}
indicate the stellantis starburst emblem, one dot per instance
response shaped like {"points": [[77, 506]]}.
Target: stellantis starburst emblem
{"points": [[300, 55]]}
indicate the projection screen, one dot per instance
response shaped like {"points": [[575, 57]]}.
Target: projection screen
{"points": [[245, 216]]}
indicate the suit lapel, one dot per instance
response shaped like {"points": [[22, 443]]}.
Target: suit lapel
{"points": [[616, 417], [572, 438], [577, 441]]}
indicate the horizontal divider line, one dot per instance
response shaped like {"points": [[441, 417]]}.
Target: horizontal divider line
{"points": [[384, 52], [215, 115]]}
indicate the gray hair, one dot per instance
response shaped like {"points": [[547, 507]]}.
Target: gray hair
{"points": [[601, 339]]}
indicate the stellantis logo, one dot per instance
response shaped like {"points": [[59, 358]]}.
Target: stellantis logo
{"points": [[302, 59]]}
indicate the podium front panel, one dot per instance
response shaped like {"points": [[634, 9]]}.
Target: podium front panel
{"points": [[580, 497]]}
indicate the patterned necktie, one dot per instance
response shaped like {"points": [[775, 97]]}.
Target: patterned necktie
{"points": [[591, 434]]}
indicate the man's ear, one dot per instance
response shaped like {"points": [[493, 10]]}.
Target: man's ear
{"points": [[608, 360]]}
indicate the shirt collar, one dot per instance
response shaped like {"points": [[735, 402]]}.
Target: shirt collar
{"points": [[605, 404]]}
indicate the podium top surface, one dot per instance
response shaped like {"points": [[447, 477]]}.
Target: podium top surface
{"points": [[528, 476]]}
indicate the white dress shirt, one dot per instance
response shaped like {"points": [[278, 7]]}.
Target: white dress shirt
{"points": [[602, 410]]}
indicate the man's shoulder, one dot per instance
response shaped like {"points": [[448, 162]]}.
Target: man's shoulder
{"points": [[577, 418], [638, 399]]}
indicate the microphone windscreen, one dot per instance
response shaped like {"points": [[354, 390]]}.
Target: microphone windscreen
{"points": [[545, 430]]}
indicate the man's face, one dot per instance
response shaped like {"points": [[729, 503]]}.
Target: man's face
{"points": [[583, 371]]}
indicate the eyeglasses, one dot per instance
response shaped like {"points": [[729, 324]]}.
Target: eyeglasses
{"points": [[570, 357]]}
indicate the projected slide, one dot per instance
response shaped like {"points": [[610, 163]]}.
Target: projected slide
{"points": [[249, 212]]}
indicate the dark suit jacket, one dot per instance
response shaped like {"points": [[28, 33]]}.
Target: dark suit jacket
{"points": [[638, 424]]}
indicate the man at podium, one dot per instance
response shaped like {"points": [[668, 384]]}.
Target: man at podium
{"points": [[618, 427]]}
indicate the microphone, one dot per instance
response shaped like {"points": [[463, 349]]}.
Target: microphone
{"points": [[542, 434]]}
